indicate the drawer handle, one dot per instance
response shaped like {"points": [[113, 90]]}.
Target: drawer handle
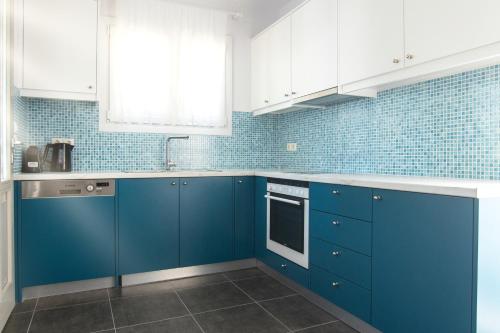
{"points": [[336, 192], [336, 253], [335, 284], [173, 183], [240, 182], [377, 197], [283, 266], [184, 183], [336, 223]]}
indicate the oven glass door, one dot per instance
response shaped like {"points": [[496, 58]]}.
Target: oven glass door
{"points": [[287, 221]]}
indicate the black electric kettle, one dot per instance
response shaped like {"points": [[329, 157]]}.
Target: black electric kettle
{"points": [[57, 157]]}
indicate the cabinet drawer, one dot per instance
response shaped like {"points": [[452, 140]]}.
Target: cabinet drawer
{"points": [[342, 293], [355, 202], [289, 269], [347, 264], [349, 233]]}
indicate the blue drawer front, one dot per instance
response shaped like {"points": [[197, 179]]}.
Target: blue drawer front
{"points": [[65, 240], [346, 295], [345, 263], [289, 269], [349, 201], [148, 219], [352, 234]]}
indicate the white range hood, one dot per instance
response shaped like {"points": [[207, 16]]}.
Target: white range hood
{"points": [[319, 100]]}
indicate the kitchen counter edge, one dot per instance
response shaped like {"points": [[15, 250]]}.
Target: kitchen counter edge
{"points": [[442, 186]]}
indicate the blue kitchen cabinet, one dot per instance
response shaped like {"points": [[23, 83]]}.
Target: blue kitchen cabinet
{"points": [[63, 239], [260, 217], [206, 220], [350, 201], [244, 216], [423, 259], [148, 233]]}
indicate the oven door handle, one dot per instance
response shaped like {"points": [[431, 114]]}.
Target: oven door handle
{"points": [[292, 202]]}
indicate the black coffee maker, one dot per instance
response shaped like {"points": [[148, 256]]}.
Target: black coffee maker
{"points": [[57, 157]]}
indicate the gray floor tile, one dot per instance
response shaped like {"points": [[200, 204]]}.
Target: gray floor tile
{"points": [[244, 274], [213, 297], [72, 299], [143, 309], [262, 288], [28, 305], [337, 327], [297, 313], [199, 281], [243, 319], [79, 318], [141, 290], [18, 323], [176, 325]]}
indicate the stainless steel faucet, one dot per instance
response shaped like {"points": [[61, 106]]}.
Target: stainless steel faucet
{"points": [[169, 163]]}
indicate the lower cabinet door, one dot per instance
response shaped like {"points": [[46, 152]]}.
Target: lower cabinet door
{"points": [[207, 220], [423, 259], [66, 239], [342, 293], [260, 217], [148, 225], [244, 216]]}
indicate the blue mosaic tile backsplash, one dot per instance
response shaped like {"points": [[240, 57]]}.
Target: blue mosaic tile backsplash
{"points": [[448, 127]]}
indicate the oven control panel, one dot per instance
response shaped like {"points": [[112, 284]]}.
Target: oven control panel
{"points": [[294, 191]]}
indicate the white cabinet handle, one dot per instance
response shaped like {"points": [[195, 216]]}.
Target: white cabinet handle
{"points": [[395, 61], [410, 56], [377, 197], [336, 223], [336, 253], [335, 284]]}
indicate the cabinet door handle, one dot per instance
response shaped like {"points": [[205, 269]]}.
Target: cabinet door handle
{"points": [[287, 95], [336, 223], [184, 183], [294, 93], [266, 101], [395, 61], [173, 183], [336, 192], [336, 253], [283, 266], [377, 197], [240, 182], [410, 56], [91, 87], [335, 284]]}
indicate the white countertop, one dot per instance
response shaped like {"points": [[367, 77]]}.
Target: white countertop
{"points": [[443, 186]]}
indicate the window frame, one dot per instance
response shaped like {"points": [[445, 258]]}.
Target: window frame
{"points": [[105, 125]]}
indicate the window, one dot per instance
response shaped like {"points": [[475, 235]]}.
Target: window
{"points": [[165, 68]]}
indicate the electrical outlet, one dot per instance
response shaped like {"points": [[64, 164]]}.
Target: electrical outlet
{"points": [[291, 147]]}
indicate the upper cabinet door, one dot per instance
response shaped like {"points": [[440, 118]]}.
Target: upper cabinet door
{"points": [[439, 28], [371, 38], [260, 80], [280, 61], [60, 45], [314, 47]]}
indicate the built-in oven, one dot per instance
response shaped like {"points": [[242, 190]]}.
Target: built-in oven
{"points": [[288, 219]]}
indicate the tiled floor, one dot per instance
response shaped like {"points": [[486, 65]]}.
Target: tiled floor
{"points": [[240, 301]]}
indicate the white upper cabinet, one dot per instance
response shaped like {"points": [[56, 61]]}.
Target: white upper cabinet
{"points": [[371, 38], [260, 82], [440, 28], [279, 61], [314, 47], [59, 49]]}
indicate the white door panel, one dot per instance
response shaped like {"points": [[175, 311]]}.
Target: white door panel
{"points": [[280, 61], [314, 47], [439, 28], [60, 45], [371, 38]]}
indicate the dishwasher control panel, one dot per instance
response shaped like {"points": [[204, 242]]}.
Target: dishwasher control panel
{"points": [[67, 188]]}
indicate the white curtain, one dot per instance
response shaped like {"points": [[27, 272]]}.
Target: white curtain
{"points": [[167, 64]]}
